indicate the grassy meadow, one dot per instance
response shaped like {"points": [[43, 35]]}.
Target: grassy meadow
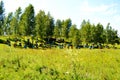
{"points": [[59, 64]]}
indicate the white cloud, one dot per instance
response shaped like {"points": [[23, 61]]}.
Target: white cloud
{"points": [[86, 9]]}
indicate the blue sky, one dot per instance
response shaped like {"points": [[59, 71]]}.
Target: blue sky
{"points": [[96, 11]]}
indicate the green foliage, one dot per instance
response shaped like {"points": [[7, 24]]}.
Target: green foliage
{"points": [[72, 31], [17, 21], [17, 13], [39, 28], [98, 33], [111, 35], [66, 28], [7, 26], [86, 32], [27, 22], [13, 26], [58, 29], [76, 39], [74, 35], [1, 17], [49, 25], [44, 25]]}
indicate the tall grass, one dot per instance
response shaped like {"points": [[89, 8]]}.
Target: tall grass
{"points": [[59, 64]]}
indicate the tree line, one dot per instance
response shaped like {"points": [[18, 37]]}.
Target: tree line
{"points": [[42, 25]]}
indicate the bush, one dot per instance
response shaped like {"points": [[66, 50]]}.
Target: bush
{"points": [[2, 41]]}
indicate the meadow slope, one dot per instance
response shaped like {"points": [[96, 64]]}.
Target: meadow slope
{"points": [[59, 64]]}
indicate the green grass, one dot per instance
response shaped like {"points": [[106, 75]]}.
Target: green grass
{"points": [[59, 64]]}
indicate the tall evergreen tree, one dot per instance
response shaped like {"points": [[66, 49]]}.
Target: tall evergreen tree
{"points": [[7, 21], [86, 32], [66, 27], [22, 25], [74, 35], [111, 35], [83, 23], [76, 38], [13, 26], [14, 23], [108, 33], [56, 32], [39, 28], [17, 13], [1, 17], [17, 20], [99, 33], [27, 21], [44, 25], [49, 25], [93, 33], [72, 31], [58, 29]]}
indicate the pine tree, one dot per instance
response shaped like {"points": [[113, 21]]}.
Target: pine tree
{"points": [[72, 31], [111, 35], [76, 38], [58, 29], [39, 28], [66, 28], [49, 25], [27, 21], [17, 21], [2, 17], [86, 32], [99, 33], [7, 26], [74, 35]]}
